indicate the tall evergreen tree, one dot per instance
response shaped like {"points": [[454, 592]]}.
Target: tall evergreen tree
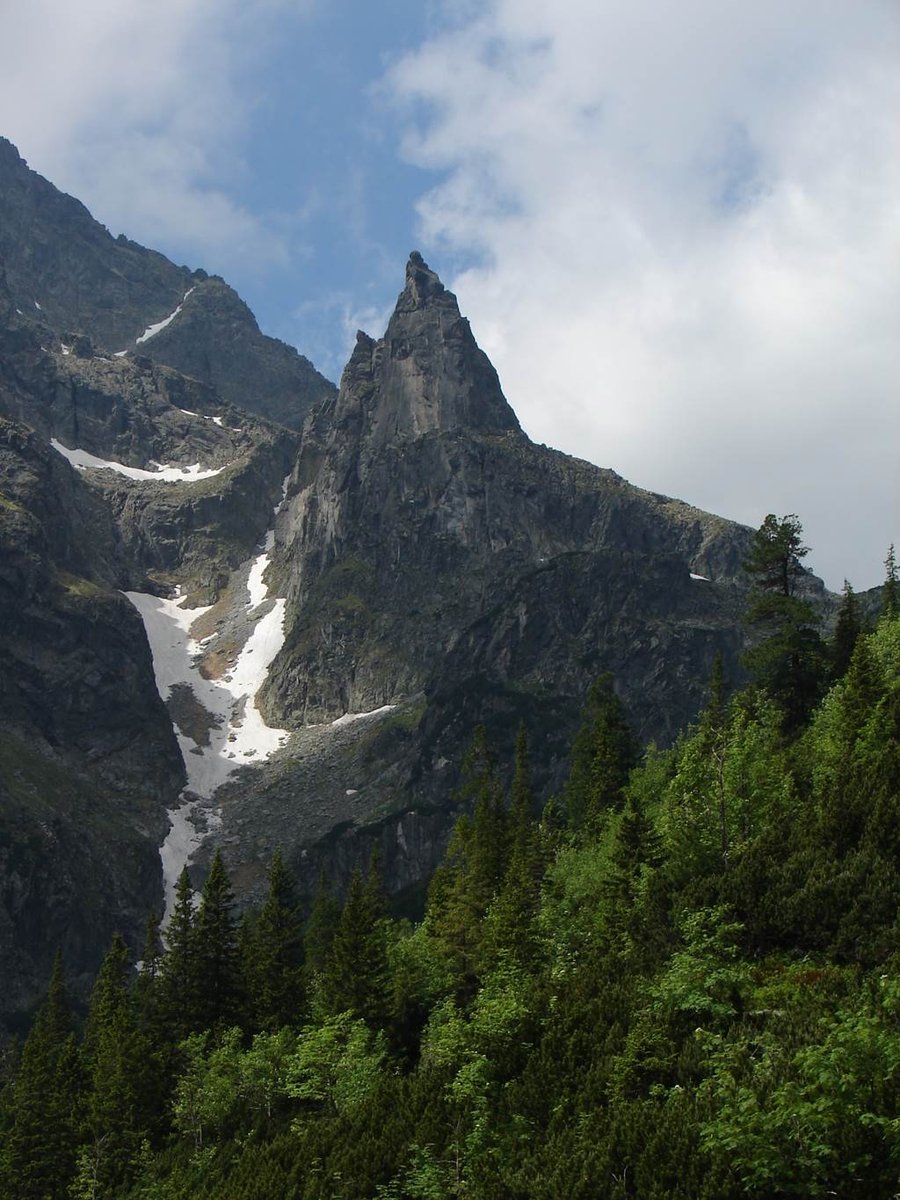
{"points": [[509, 926], [119, 1063], [890, 592], [356, 971], [789, 659], [273, 954], [216, 952], [179, 981], [846, 632], [474, 865], [318, 935], [603, 753], [38, 1159]]}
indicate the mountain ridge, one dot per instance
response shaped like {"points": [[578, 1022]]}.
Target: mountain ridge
{"points": [[432, 568]]}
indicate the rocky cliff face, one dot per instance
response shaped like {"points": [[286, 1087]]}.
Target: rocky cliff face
{"points": [[442, 570], [431, 541], [88, 760], [409, 564]]}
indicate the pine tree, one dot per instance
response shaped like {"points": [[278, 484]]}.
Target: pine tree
{"points": [[508, 931], [119, 1066], [603, 753], [890, 592], [487, 852], [179, 979], [789, 660], [846, 632], [474, 866], [273, 953], [216, 952], [356, 972], [39, 1155], [318, 936]]}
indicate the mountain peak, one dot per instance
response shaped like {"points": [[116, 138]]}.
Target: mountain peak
{"points": [[422, 284], [427, 374]]}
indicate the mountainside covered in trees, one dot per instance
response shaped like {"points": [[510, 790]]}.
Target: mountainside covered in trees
{"points": [[243, 609], [679, 981]]}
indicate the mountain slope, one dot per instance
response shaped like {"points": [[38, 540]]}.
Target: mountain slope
{"points": [[317, 619], [66, 273]]}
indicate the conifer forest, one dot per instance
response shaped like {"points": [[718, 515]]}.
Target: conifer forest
{"points": [[677, 980]]}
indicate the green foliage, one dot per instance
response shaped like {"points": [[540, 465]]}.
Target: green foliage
{"points": [[38, 1153], [336, 1064], [788, 659], [273, 954], [215, 951], [692, 995], [355, 976], [603, 753], [890, 592]]}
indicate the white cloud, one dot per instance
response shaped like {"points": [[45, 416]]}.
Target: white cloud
{"points": [[136, 108], [687, 227]]}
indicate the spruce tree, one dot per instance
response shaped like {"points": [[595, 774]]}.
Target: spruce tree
{"points": [[603, 753], [508, 932], [846, 632], [216, 952], [38, 1159], [356, 971], [890, 591], [179, 981], [119, 1064], [318, 936], [273, 954], [788, 660]]}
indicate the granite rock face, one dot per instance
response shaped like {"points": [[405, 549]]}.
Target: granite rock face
{"points": [[215, 339], [430, 543]]}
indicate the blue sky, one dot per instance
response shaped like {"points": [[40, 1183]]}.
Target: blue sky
{"points": [[674, 228]]}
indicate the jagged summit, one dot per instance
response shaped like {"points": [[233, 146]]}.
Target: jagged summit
{"points": [[427, 374], [423, 286]]}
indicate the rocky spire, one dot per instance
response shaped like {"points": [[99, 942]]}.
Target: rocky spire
{"points": [[427, 373]]}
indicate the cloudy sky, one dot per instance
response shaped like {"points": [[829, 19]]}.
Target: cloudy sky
{"points": [[675, 228]]}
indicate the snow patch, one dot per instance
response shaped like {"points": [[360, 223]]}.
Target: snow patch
{"points": [[161, 472], [349, 718], [201, 416], [120, 353], [153, 330], [256, 589], [238, 734], [65, 349], [705, 578], [37, 306]]}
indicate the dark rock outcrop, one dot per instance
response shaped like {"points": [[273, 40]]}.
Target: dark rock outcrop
{"points": [[88, 760]]}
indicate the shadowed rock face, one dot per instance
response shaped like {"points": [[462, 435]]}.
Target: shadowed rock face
{"points": [[88, 761], [57, 256], [216, 339]]}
